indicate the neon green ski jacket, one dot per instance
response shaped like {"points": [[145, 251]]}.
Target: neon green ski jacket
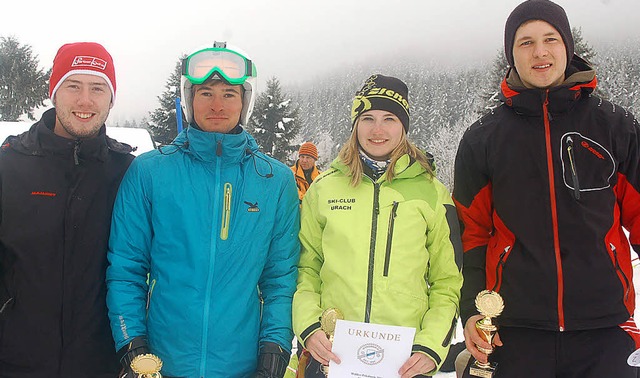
{"points": [[382, 252]]}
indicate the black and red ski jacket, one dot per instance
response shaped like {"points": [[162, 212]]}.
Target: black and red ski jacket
{"points": [[544, 185], [56, 198]]}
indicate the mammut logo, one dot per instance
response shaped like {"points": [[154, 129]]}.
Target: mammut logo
{"points": [[591, 149], [89, 61], [44, 194], [253, 207]]}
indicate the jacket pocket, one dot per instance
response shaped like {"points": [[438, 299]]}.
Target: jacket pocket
{"points": [[623, 277], [226, 212], [499, 267], [573, 167], [4, 306], [587, 165], [387, 254], [152, 285], [7, 290], [6, 303]]}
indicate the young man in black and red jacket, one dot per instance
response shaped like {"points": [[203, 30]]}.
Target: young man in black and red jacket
{"points": [[544, 185], [58, 183]]}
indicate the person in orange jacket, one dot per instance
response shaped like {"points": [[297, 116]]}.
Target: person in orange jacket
{"points": [[305, 170]]}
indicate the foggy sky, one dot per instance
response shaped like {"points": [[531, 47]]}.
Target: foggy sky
{"points": [[296, 41]]}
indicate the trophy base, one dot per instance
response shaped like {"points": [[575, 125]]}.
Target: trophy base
{"points": [[482, 370]]}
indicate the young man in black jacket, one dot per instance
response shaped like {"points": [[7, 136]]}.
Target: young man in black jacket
{"points": [[58, 182], [544, 185]]}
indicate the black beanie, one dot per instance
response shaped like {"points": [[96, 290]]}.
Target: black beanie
{"points": [[544, 10], [382, 93]]}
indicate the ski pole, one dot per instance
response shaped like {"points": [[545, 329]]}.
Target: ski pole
{"points": [[178, 115]]}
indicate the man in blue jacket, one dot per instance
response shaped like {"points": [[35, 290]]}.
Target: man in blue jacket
{"points": [[204, 244]]}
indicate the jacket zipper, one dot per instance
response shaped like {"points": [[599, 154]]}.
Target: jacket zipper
{"points": [[212, 262], [619, 269], [554, 211], [392, 219], [574, 170], [500, 269], [452, 329], [226, 212], [372, 248], [76, 149]]}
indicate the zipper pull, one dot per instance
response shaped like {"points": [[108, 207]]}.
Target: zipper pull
{"points": [[574, 170], [376, 204], [506, 249], [394, 209]]}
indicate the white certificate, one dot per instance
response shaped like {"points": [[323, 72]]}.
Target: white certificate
{"points": [[370, 350]]}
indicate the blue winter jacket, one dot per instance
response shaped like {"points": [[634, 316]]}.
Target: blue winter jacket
{"points": [[214, 222]]}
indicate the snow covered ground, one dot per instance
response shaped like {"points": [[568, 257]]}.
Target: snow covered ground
{"points": [[445, 375]]}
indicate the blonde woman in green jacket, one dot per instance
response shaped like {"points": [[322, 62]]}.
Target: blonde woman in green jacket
{"points": [[380, 238]]}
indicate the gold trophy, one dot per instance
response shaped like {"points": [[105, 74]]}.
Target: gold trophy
{"points": [[147, 366], [490, 304], [328, 325]]}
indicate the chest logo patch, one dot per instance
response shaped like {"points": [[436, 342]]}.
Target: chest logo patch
{"points": [[340, 203], [43, 194], [253, 207]]}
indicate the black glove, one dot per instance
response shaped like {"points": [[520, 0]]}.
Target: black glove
{"points": [[126, 354], [272, 361]]}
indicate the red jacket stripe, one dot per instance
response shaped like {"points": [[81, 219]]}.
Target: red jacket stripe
{"points": [[476, 219]]}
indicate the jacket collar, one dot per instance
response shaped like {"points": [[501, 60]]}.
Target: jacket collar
{"points": [[209, 146], [580, 82], [41, 140], [300, 172], [405, 168]]}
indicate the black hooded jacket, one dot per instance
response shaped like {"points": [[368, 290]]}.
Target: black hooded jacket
{"points": [[544, 186], [56, 198]]}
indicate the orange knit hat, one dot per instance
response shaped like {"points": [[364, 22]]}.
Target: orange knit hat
{"points": [[309, 149]]}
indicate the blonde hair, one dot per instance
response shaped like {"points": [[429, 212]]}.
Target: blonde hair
{"points": [[349, 154]]}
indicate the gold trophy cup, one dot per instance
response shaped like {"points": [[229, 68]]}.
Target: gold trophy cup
{"points": [[147, 366], [328, 325], [490, 305]]}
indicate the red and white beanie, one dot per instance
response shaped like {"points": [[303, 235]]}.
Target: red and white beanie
{"points": [[86, 58]]}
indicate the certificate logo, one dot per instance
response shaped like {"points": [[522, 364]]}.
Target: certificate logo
{"points": [[370, 354]]}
